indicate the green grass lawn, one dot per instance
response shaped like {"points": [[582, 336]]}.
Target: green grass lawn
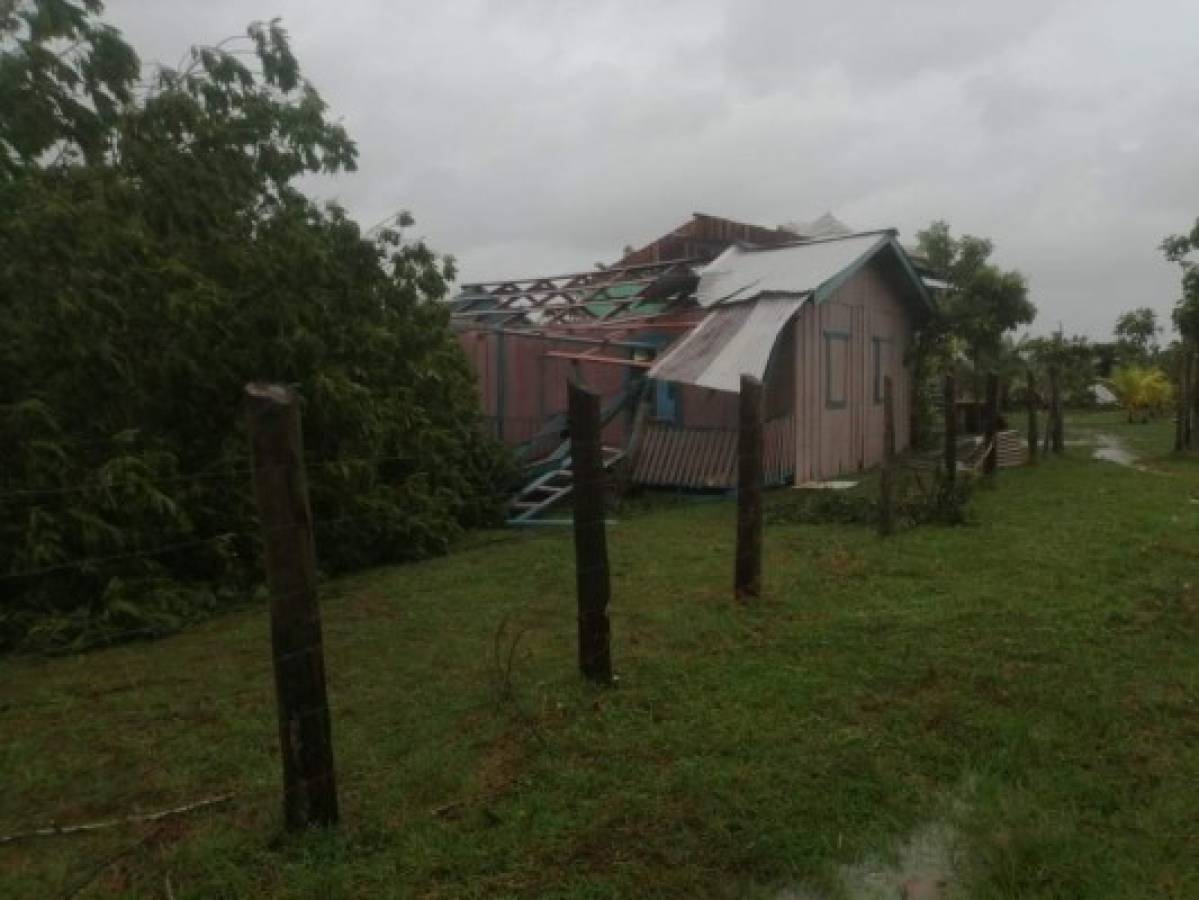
{"points": [[1030, 680]]}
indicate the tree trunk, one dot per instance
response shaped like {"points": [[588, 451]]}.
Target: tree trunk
{"points": [[1188, 420], [1055, 401], [991, 435], [951, 429]]}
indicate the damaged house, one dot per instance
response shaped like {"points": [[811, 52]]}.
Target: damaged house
{"points": [[819, 313]]}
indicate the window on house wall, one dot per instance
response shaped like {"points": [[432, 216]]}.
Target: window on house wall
{"points": [[836, 369]]}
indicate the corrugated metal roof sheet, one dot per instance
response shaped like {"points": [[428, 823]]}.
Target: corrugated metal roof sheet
{"points": [[733, 339], [796, 269]]}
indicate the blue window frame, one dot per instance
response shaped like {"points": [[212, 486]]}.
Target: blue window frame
{"points": [[836, 369], [666, 401]]}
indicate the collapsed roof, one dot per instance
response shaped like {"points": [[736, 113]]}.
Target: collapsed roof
{"points": [[738, 262]]}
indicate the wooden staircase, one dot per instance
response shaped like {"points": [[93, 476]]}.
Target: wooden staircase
{"points": [[548, 488]]}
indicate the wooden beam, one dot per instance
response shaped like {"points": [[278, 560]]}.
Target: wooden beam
{"points": [[606, 360]]}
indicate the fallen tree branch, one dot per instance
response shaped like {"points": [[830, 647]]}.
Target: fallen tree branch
{"points": [[56, 830]]}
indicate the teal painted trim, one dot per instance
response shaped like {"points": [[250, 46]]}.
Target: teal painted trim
{"points": [[925, 297], [830, 287], [829, 337]]}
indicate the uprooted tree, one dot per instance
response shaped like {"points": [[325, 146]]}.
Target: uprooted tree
{"points": [[156, 255]]}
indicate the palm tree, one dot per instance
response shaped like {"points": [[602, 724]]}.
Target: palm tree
{"points": [[1141, 390]]}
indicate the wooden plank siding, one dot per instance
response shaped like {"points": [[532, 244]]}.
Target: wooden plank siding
{"points": [[838, 416]]}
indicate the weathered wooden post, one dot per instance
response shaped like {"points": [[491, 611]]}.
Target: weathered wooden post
{"points": [[1055, 415], [991, 436], [951, 430], [281, 489], [1031, 399], [747, 574], [592, 585], [886, 500]]}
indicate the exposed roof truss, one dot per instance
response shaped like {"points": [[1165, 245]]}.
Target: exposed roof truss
{"points": [[580, 297]]}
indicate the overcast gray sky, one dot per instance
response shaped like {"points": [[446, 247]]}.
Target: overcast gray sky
{"points": [[535, 136]]}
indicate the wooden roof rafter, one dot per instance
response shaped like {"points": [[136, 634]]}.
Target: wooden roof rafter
{"points": [[578, 289]]}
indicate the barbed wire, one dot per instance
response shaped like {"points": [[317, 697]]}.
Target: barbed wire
{"points": [[246, 471], [163, 549]]}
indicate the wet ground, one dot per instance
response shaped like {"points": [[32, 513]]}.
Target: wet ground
{"points": [[1110, 449], [923, 868]]}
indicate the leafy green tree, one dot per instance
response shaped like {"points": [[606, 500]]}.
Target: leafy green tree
{"points": [[155, 255], [1177, 249], [1185, 316], [983, 302], [1136, 332], [1074, 360]]}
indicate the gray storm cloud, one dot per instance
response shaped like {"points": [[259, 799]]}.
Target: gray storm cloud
{"points": [[535, 136]]}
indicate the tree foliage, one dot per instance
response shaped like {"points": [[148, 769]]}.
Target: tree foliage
{"points": [[155, 255], [983, 302], [1136, 333], [1072, 358], [1177, 248], [1142, 391]]}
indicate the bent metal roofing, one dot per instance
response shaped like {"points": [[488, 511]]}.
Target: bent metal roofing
{"points": [[742, 273], [732, 340], [753, 293]]}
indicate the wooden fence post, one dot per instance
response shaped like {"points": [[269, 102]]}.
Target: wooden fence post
{"points": [[991, 437], [951, 430], [747, 574], [1188, 391], [886, 500], [1181, 407], [592, 585], [281, 489], [1055, 416], [1032, 418]]}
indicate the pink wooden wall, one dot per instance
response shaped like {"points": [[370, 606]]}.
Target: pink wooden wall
{"points": [[839, 421], [533, 384]]}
